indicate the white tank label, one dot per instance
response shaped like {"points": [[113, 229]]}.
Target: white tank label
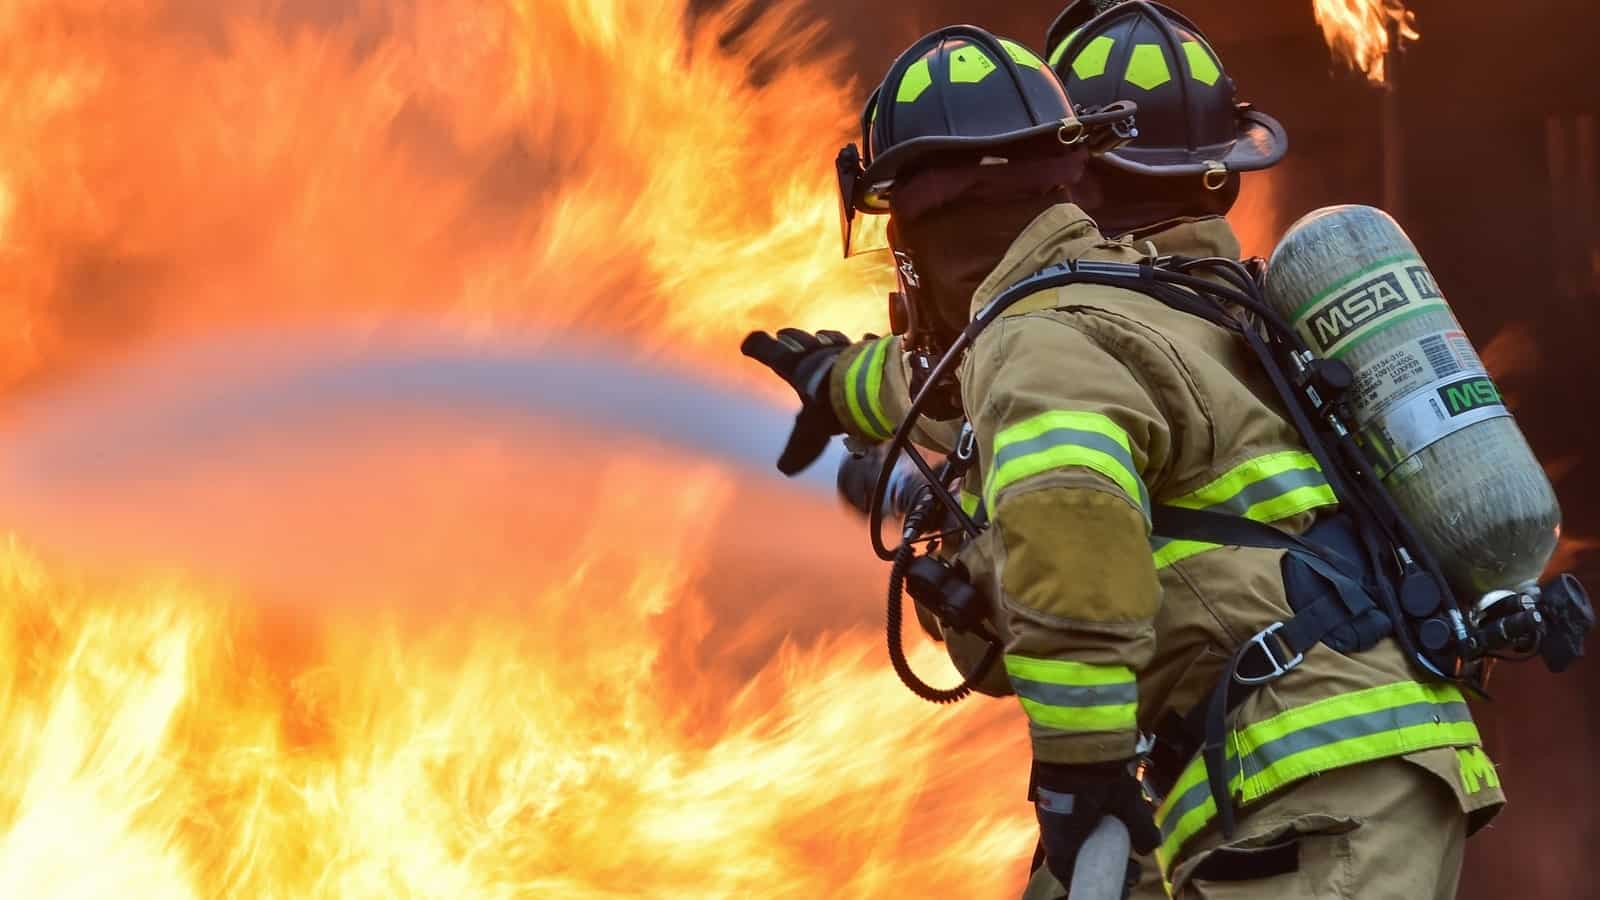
{"points": [[1385, 380], [1386, 294], [1439, 409]]}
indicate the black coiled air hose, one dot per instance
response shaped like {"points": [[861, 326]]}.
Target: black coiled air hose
{"points": [[893, 615]]}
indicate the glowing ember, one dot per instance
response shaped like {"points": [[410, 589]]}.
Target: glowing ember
{"points": [[1358, 30]]}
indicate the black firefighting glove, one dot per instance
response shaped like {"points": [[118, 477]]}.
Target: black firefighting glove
{"points": [[1071, 800], [804, 361]]}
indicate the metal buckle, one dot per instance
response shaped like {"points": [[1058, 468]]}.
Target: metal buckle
{"points": [[1278, 669], [967, 444], [1071, 131]]}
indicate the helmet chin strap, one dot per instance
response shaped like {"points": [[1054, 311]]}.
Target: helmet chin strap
{"points": [[924, 341], [927, 300]]}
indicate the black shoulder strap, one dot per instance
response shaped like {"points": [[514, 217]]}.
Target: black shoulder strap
{"points": [[1182, 524], [1314, 621]]}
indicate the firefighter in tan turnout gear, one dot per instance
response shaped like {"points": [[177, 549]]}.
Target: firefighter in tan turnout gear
{"points": [[1095, 405]]}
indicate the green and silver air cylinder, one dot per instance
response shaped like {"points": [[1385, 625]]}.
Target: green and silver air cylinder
{"points": [[1425, 410]]}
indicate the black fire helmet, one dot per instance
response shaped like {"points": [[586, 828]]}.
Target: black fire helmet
{"points": [[1190, 120]]}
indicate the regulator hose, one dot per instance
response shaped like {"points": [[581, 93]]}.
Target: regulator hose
{"points": [[892, 618]]}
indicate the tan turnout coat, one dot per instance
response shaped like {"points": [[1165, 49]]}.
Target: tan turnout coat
{"points": [[1091, 403]]}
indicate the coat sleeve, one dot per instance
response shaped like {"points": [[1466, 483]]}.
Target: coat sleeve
{"points": [[1070, 443], [870, 389]]}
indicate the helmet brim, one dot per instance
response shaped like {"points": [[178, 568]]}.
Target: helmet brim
{"points": [[873, 189], [1259, 143]]}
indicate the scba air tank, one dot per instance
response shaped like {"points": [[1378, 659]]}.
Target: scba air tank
{"points": [[1426, 411]]}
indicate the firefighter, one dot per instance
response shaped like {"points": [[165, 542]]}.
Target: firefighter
{"points": [[1090, 405]]}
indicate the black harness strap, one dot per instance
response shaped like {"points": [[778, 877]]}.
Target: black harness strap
{"points": [[1256, 662], [1308, 626]]}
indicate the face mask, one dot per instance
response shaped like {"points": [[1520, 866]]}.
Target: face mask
{"points": [[950, 227], [942, 258]]}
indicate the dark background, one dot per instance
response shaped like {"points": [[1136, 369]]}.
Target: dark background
{"points": [[1497, 105]]}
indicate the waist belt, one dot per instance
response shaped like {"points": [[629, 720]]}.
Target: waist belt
{"points": [[1329, 592]]}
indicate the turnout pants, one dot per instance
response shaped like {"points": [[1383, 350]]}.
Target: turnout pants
{"points": [[1385, 830]]}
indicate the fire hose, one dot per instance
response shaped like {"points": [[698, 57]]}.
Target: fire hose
{"points": [[1102, 868]]}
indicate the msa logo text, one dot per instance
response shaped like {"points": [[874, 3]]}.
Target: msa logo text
{"points": [[1422, 280], [1466, 396], [1346, 313]]}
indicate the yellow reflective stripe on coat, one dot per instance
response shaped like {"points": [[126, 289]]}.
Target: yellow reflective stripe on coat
{"points": [[973, 505], [1266, 489], [1061, 439], [1063, 695], [1346, 730], [863, 390]]}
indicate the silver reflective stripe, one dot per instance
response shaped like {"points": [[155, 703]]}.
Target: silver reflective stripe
{"points": [[863, 379], [1320, 735], [1076, 697], [1256, 493], [1363, 725], [1192, 799], [1267, 489], [1077, 437]]}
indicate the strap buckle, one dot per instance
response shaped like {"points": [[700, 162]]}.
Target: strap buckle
{"points": [[967, 443], [1279, 669]]}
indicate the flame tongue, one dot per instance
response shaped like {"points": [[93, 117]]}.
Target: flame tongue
{"points": [[175, 167], [1358, 31]]}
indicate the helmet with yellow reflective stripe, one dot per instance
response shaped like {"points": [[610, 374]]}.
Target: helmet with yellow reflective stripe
{"points": [[1190, 122], [958, 92]]}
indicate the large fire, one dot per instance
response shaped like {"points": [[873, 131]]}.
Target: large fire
{"points": [[479, 700], [472, 666], [1359, 31], [444, 658]]}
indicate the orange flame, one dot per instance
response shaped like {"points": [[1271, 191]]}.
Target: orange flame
{"points": [[1358, 31], [172, 166], [569, 731], [479, 668]]}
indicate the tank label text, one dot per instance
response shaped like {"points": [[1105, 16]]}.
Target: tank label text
{"points": [[1411, 424], [1465, 396], [1385, 295]]}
